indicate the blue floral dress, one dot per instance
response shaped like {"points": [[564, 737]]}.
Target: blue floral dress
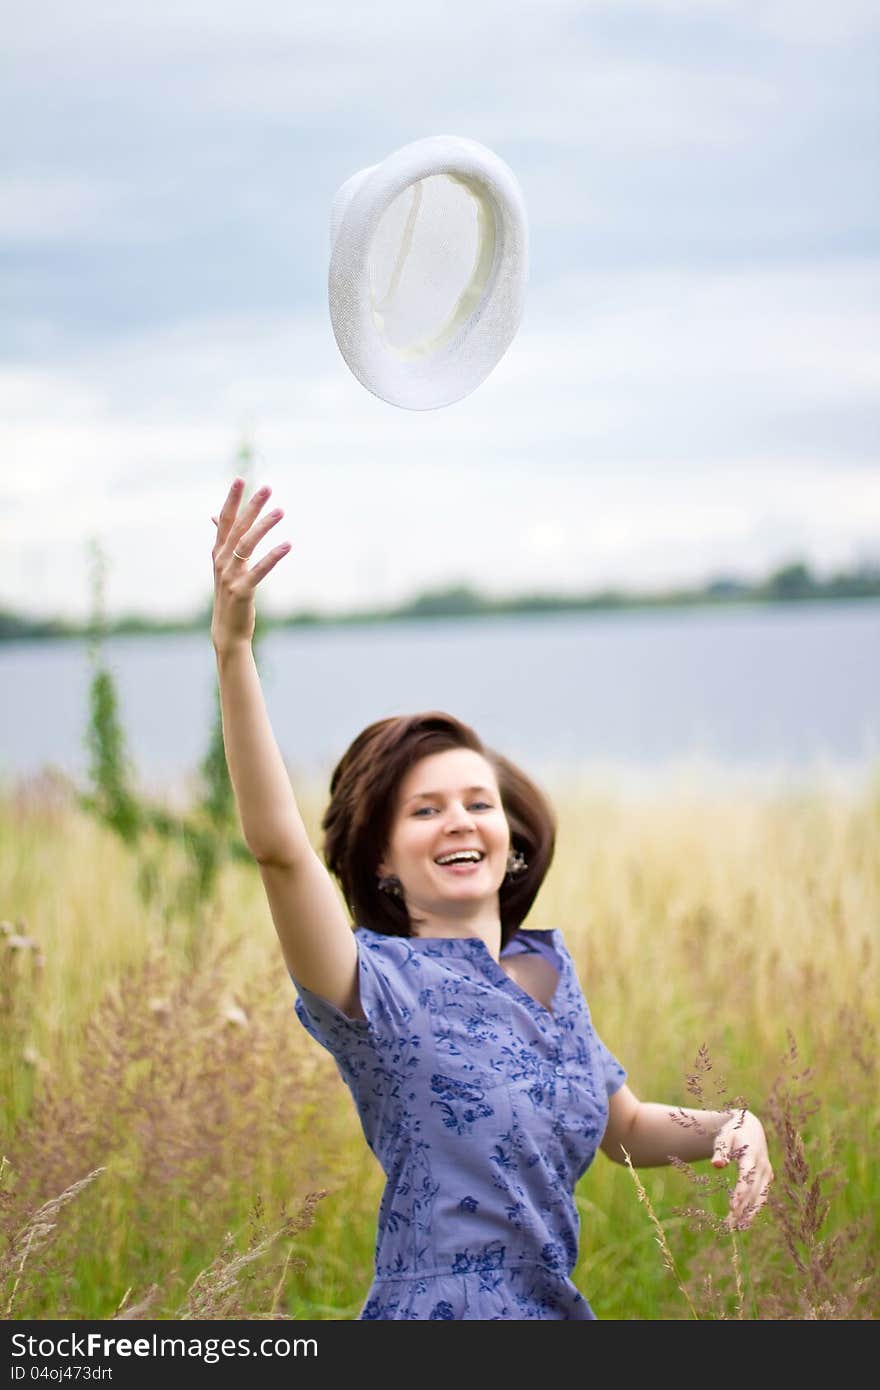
{"points": [[484, 1109]]}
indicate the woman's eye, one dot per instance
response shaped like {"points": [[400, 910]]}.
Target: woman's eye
{"points": [[423, 811], [481, 806]]}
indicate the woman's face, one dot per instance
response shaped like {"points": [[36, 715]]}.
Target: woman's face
{"points": [[449, 837]]}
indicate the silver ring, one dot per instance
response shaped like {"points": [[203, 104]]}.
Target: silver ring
{"points": [[239, 557]]}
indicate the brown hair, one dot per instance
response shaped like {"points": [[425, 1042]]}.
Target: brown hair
{"points": [[357, 822]]}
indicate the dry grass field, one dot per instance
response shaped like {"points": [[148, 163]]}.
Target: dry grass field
{"points": [[173, 1144]]}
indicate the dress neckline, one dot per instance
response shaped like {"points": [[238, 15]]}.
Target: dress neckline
{"points": [[501, 976], [471, 940]]}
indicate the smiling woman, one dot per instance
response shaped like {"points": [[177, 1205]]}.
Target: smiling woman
{"points": [[412, 790], [464, 1037]]}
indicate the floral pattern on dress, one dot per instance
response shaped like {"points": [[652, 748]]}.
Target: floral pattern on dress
{"points": [[484, 1109]]}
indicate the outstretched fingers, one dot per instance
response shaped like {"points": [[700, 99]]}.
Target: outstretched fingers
{"points": [[238, 535], [244, 521], [233, 524], [248, 541], [229, 510], [268, 562]]}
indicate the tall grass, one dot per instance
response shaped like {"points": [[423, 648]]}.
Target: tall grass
{"points": [[173, 1144]]}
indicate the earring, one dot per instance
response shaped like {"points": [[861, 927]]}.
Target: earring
{"points": [[391, 885], [516, 864]]}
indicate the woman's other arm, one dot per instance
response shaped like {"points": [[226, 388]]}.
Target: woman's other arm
{"points": [[650, 1133], [316, 938]]}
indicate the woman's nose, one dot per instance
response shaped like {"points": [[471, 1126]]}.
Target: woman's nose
{"points": [[458, 817]]}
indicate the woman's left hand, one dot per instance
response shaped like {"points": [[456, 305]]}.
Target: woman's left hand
{"points": [[742, 1141]]}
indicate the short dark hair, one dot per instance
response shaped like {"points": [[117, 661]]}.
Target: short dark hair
{"points": [[357, 822]]}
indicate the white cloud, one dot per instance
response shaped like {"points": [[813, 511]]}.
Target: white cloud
{"points": [[620, 450], [54, 208], [166, 207], [814, 21]]}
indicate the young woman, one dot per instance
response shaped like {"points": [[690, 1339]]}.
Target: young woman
{"points": [[465, 1038]]}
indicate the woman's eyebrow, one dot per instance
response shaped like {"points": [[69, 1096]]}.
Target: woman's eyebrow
{"points": [[466, 791]]}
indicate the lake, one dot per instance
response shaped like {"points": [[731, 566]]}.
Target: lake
{"points": [[752, 692]]}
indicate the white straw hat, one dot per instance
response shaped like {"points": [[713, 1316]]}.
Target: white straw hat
{"points": [[428, 264]]}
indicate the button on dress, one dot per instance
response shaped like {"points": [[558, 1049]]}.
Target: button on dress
{"points": [[484, 1109]]}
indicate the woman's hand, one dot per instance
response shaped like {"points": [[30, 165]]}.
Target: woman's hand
{"points": [[742, 1141], [234, 579]]}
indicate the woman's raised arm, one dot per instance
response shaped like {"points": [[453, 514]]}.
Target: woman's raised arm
{"points": [[316, 938]]}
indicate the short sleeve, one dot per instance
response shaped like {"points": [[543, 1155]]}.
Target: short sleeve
{"points": [[614, 1073], [370, 1053], [605, 1063], [328, 1024], [345, 1037]]}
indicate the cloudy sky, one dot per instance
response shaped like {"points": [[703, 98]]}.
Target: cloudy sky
{"points": [[693, 387]]}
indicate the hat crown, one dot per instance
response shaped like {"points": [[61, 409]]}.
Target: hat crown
{"points": [[427, 274]]}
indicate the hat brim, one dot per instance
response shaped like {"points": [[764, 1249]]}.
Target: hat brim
{"points": [[484, 321]]}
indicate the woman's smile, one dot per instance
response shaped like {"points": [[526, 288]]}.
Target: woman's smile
{"points": [[460, 864], [449, 836]]}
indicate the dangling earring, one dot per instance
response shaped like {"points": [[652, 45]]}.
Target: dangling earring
{"points": [[390, 884], [516, 864]]}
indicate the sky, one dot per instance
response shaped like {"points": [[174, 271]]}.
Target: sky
{"points": [[692, 391]]}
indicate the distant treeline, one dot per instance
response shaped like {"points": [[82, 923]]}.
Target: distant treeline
{"points": [[793, 583]]}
